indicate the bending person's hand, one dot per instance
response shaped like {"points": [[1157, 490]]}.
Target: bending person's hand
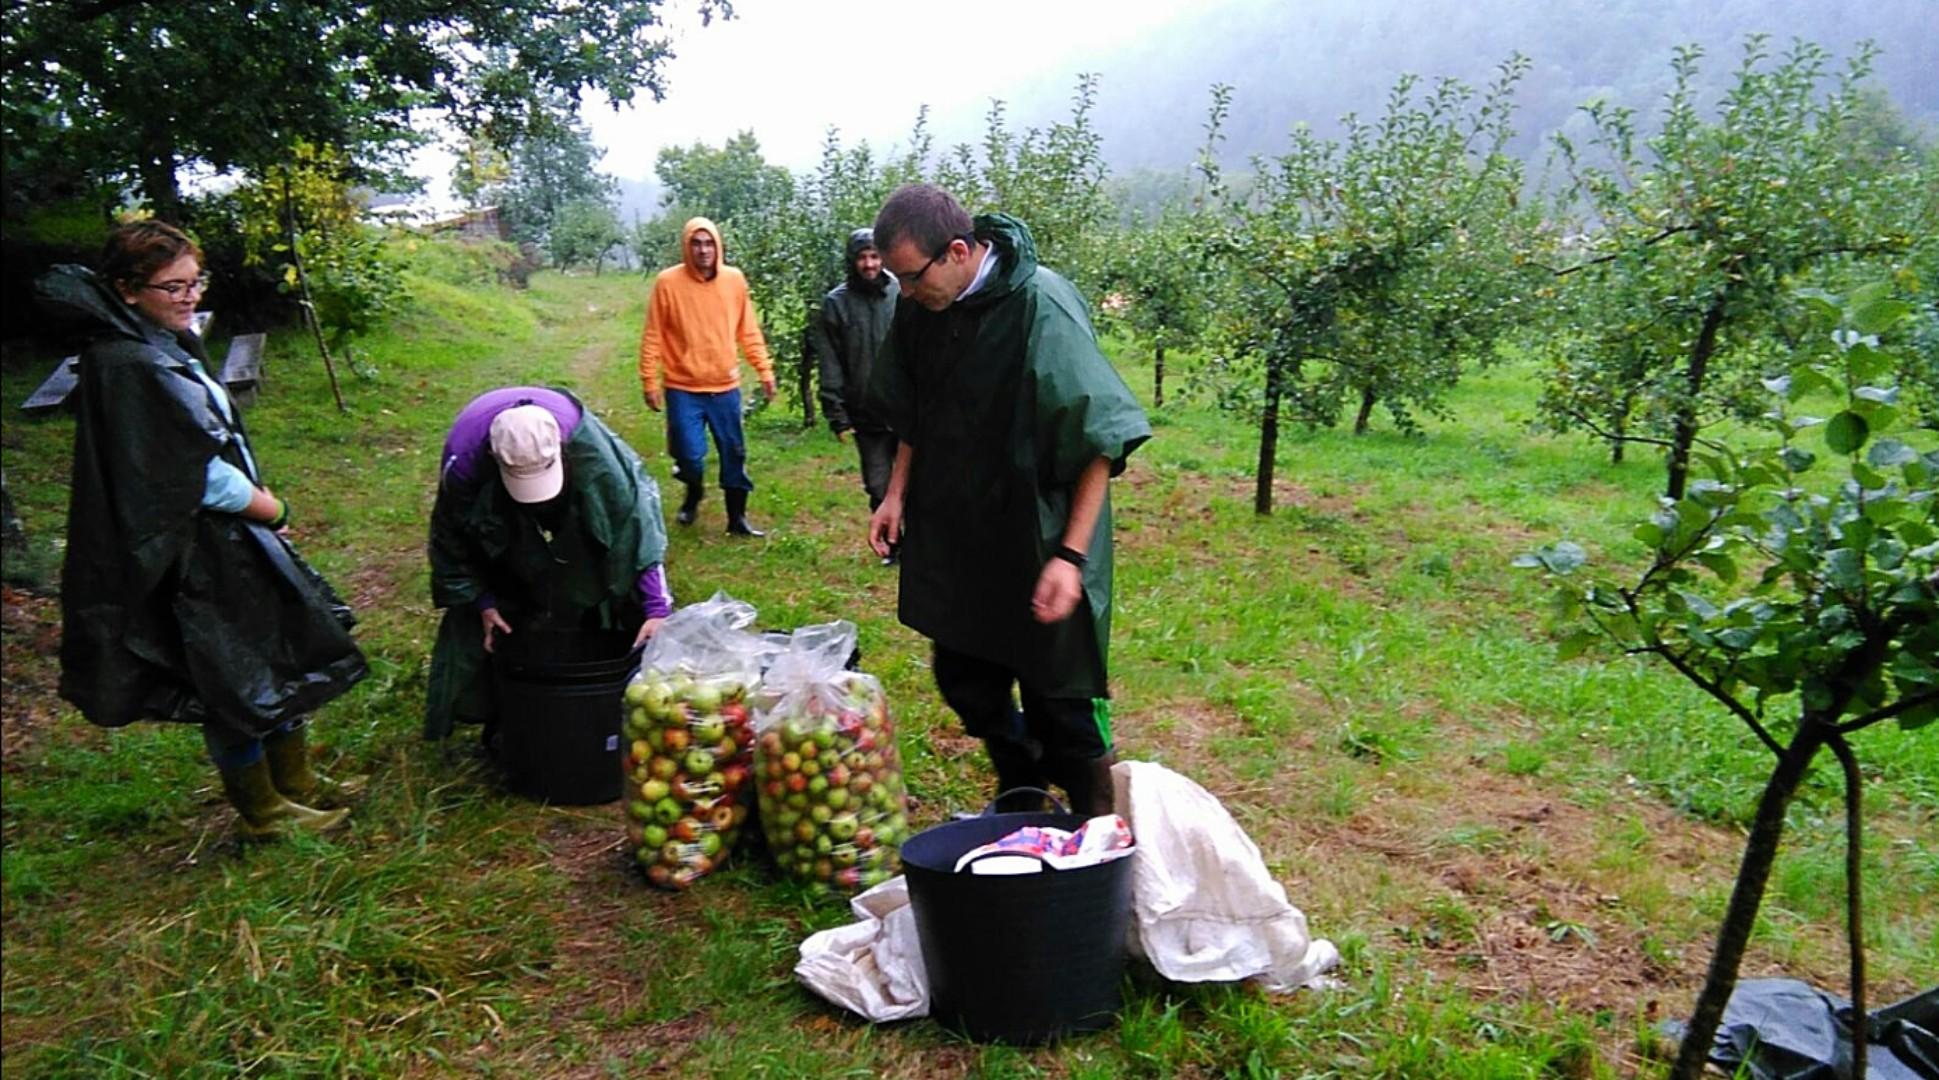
{"points": [[654, 399], [493, 623], [647, 630]]}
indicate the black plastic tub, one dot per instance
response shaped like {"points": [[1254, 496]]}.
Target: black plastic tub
{"points": [[559, 698], [1022, 958]]}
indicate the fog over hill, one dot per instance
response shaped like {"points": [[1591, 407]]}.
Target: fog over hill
{"points": [[1289, 62], [1315, 60]]}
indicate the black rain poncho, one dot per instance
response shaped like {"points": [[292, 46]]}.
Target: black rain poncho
{"points": [[1006, 399], [168, 611]]}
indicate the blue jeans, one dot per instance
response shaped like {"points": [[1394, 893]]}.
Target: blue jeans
{"points": [[690, 416]]}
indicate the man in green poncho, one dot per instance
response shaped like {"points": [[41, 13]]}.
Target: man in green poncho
{"points": [[1010, 424]]}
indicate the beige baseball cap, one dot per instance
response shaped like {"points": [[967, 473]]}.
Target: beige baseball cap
{"points": [[525, 440]]}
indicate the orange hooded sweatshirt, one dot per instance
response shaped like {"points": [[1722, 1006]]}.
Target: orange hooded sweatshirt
{"points": [[693, 324]]}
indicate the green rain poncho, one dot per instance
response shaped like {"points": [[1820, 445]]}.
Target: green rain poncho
{"points": [[586, 575], [1005, 398]]}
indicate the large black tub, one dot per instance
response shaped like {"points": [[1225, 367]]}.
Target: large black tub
{"points": [[1020, 958], [559, 698]]}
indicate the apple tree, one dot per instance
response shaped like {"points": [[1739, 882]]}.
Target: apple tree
{"points": [[1797, 584], [1680, 296], [1370, 271]]}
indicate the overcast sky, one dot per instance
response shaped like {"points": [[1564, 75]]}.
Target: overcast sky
{"points": [[787, 69]]}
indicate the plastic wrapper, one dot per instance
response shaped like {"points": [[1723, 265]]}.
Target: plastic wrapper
{"points": [[832, 804], [690, 738]]}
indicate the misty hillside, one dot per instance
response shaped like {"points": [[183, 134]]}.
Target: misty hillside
{"points": [[1313, 60]]}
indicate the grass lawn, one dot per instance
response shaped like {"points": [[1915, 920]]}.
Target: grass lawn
{"points": [[1521, 859]]}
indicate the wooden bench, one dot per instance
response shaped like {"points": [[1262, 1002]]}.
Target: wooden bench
{"points": [[242, 369], [59, 385]]}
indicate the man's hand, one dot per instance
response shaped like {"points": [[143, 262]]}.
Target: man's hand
{"points": [[767, 386], [1059, 587], [655, 399], [647, 630], [841, 435], [885, 527], [493, 622]]}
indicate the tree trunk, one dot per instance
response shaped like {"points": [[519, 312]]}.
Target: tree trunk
{"points": [[1158, 376], [1760, 852], [807, 377], [1619, 424], [1854, 898], [1268, 440], [303, 289], [157, 171], [1686, 413], [1367, 399]]}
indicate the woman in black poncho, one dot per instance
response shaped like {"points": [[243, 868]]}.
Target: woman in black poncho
{"points": [[181, 598]]}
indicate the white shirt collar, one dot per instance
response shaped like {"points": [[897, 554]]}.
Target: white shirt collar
{"points": [[983, 270]]}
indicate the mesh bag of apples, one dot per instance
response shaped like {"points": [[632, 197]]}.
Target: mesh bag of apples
{"points": [[829, 778], [690, 739]]}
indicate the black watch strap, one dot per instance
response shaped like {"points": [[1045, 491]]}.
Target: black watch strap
{"points": [[1070, 555]]}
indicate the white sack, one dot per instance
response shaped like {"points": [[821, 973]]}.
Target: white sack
{"points": [[1204, 906], [872, 967]]}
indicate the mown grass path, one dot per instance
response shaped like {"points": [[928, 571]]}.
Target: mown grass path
{"points": [[1521, 859]]}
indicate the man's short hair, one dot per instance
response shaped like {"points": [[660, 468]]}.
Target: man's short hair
{"points": [[923, 215]]}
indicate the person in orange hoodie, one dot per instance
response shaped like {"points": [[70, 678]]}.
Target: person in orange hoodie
{"points": [[700, 311]]}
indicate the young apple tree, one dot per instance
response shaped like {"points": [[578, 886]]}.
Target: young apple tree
{"points": [[1797, 584]]}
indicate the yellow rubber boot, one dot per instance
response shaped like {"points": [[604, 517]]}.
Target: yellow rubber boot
{"points": [[288, 753], [264, 812]]}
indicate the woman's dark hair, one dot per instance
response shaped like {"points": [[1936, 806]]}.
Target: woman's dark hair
{"points": [[922, 214], [136, 250]]}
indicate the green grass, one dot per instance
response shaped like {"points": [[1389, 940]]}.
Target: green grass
{"points": [[1520, 858]]}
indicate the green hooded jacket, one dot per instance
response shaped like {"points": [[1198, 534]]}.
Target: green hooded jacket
{"points": [[1006, 399], [586, 575]]}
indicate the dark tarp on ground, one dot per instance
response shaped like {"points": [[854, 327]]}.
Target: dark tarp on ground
{"points": [[1783, 1029]]}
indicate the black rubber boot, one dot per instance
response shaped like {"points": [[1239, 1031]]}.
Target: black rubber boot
{"points": [[1017, 766], [737, 523], [1087, 783], [690, 505]]}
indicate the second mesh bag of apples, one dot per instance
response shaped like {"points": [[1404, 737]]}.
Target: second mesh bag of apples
{"points": [[826, 766], [690, 739]]}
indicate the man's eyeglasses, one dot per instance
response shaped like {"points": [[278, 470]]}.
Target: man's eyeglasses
{"points": [[911, 279], [174, 289]]}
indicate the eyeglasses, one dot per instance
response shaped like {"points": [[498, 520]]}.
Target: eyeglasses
{"points": [[173, 289], [911, 279]]}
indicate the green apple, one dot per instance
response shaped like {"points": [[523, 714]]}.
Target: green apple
{"points": [[699, 762], [654, 790], [654, 836], [709, 730], [636, 692], [666, 811], [843, 826], [704, 698]]}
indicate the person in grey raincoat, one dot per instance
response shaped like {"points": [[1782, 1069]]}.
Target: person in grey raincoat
{"points": [[181, 598], [1010, 424], [854, 321], [544, 518]]}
